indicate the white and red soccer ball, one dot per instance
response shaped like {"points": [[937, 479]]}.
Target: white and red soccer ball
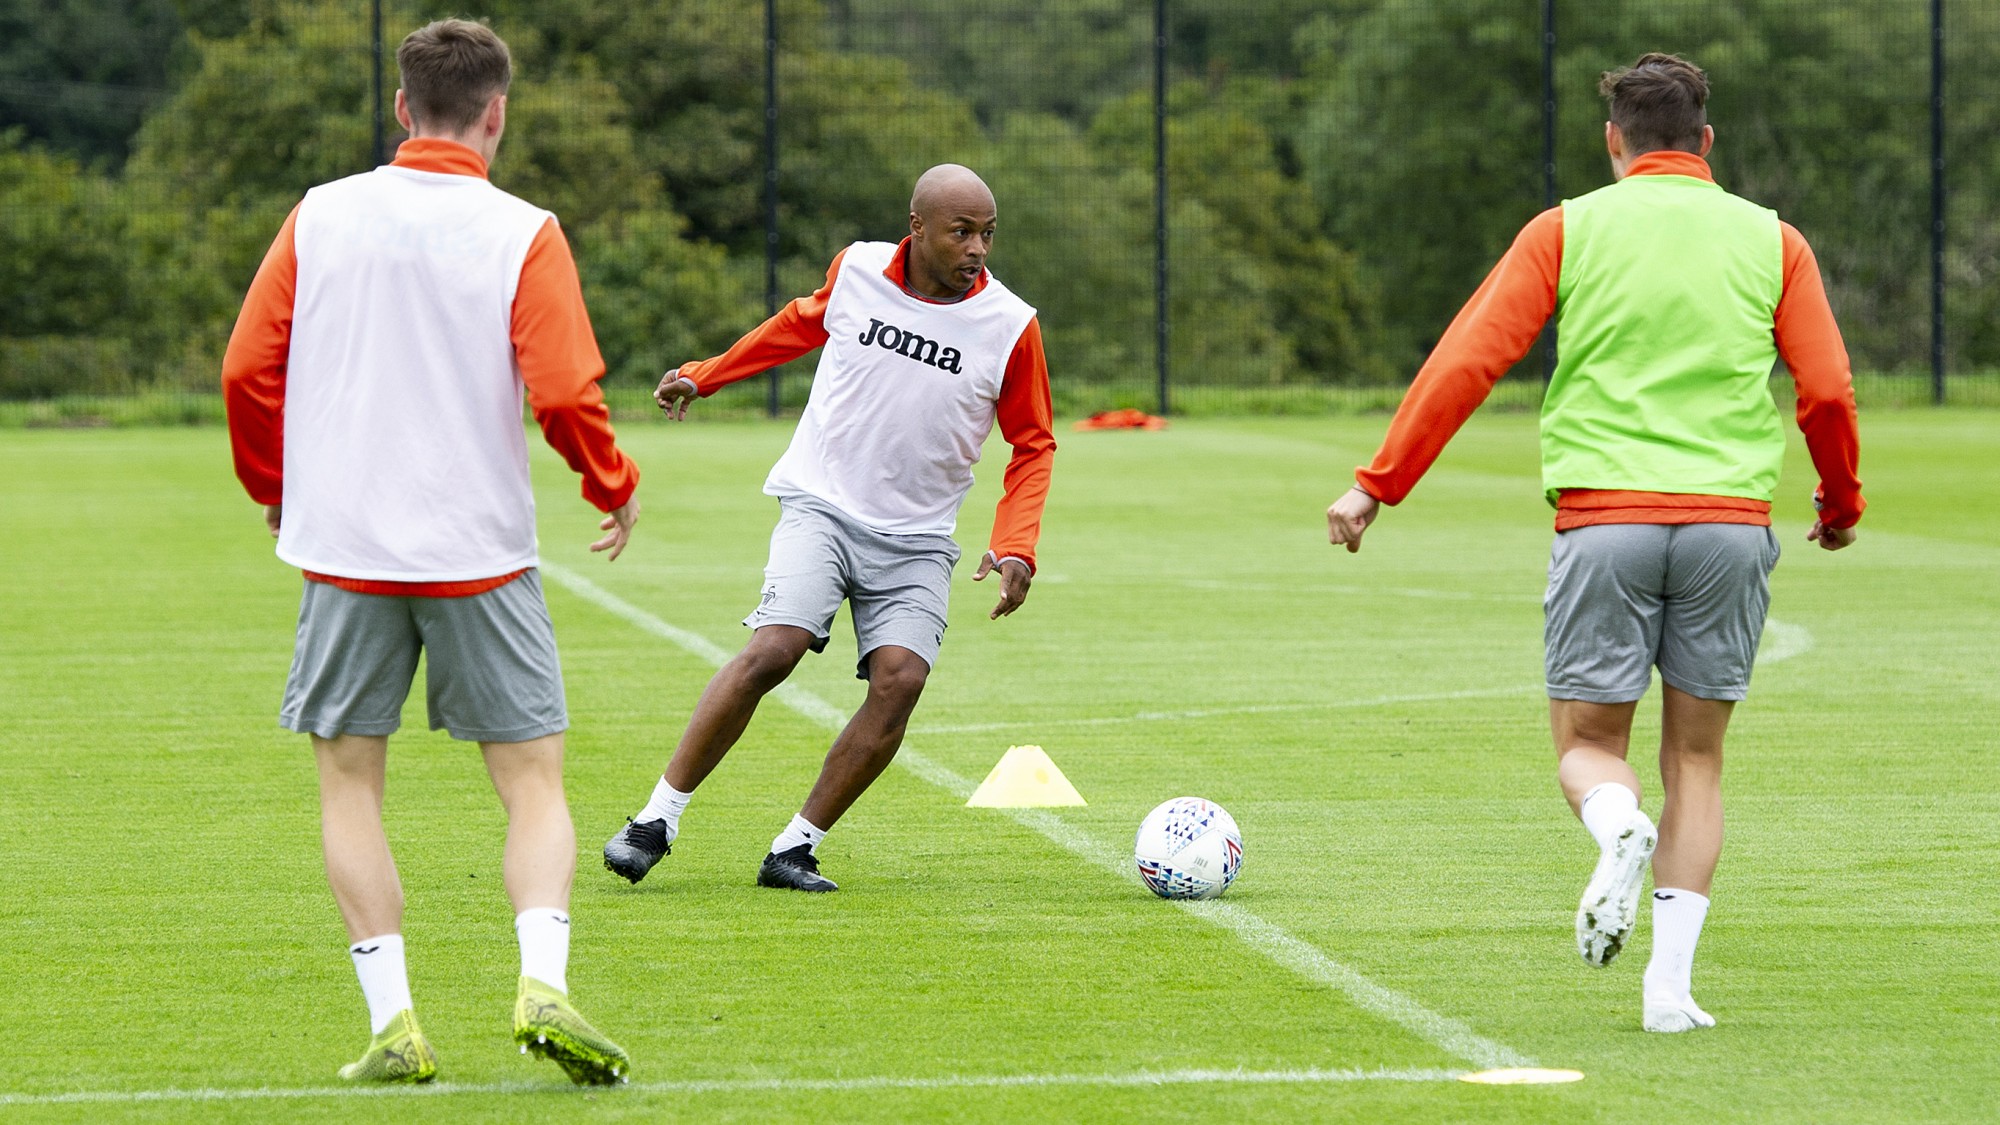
{"points": [[1188, 848]]}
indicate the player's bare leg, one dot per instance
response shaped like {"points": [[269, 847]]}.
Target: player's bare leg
{"points": [[362, 873], [540, 860], [1592, 740], [731, 698], [359, 867], [1691, 736], [539, 865], [864, 749], [869, 742], [1691, 733], [719, 720]]}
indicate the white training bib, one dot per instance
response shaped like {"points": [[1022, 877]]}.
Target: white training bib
{"points": [[903, 399], [405, 457]]}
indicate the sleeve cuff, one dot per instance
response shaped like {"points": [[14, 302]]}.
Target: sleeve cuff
{"points": [[999, 558]]}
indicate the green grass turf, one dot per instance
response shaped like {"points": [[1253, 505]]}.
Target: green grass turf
{"points": [[167, 925]]}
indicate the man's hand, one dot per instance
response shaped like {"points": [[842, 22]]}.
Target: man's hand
{"points": [[674, 395], [1014, 580], [619, 524], [1349, 517], [272, 514], [1830, 538]]}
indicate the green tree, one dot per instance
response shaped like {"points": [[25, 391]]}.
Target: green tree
{"points": [[285, 104], [1008, 56], [690, 75], [1267, 227], [1421, 142], [78, 75], [1972, 101], [65, 297], [1819, 112], [656, 298], [1422, 139]]}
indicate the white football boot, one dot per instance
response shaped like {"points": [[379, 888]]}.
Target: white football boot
{"points": [[1610, 906]]}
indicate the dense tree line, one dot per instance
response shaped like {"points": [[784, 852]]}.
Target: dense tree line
{"points": [[1341, 171]]}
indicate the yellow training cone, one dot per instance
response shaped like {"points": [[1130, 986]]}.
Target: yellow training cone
{"points": [[1025, 778], [1521, 1076]]}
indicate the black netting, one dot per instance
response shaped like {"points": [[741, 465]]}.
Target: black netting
{"points": [[1339, 174]]}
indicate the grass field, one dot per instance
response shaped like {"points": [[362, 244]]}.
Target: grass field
{"points": [[1372, 721]]}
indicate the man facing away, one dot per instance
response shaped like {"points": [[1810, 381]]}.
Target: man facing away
{"points": [[1660, 452], [375, 410], [924, 351]]}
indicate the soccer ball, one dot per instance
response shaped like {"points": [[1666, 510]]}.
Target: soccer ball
{"points": [[1188, 848]]}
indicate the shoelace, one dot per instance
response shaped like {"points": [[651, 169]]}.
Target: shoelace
{"points": [[651, 835]]}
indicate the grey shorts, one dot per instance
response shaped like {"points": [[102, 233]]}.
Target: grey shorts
{"points": [[1689, 598], [897, 586], [491, 672]]}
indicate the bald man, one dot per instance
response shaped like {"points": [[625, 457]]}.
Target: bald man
{"points": [[924, 352]]}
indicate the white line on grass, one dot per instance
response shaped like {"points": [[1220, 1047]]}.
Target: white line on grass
{"points": [[750, 1085], [1216, 712], [1232, 584], [1782, 641], [1272, 941]]}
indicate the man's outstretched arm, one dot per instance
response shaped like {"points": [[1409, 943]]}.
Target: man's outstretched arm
{"points": [[1490, 334], [789, 333]]}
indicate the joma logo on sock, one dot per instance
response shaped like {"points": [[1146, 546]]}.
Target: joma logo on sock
{"points": [[910, 345]]}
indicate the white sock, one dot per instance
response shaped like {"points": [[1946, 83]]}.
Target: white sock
{"points": [[1605, 809], [1677, 919], [667, 803], [799, 831], [544, 934], [378, 961]]}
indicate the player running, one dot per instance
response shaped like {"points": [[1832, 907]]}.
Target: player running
{"points": [[374, 385], [924, 351], [1660, 453]]}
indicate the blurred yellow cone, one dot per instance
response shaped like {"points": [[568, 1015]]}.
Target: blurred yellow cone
{"points": [[1025, 778]]}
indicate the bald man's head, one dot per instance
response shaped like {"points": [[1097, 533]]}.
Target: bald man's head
{"points": [[951, 230], [949, 185]]}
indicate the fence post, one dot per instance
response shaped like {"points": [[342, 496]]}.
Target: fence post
{"points": [[1937, 202], [771, 184], [375, 50], [1548, 159], [1161, 334]]}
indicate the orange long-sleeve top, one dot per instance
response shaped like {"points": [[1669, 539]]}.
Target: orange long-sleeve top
{"points": [[1498, 325], [1024, 411], [554, 348]]}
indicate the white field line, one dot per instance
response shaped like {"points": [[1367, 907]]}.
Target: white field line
{"points": [[747, 1085], [1216, 712], [1782, 641], [1228, 584], [1266, 938]]}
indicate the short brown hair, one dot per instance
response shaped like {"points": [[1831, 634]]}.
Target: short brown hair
{"points": [[1659, 102], [451, 69]]}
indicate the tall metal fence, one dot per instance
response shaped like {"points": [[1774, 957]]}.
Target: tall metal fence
{"points": [[1217, 205]]}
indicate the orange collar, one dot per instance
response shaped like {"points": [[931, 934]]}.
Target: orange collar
{"points": [[1668, 162], [899, 274], [434, 154]]}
